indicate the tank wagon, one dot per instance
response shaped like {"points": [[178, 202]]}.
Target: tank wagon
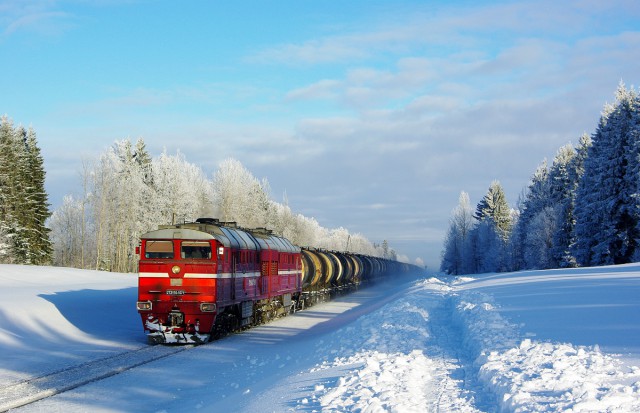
{"points": [[200, 280]]}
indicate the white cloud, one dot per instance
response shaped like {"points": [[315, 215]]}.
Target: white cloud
{"points": [[323, 89]]}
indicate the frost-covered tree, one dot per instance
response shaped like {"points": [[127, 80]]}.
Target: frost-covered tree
{"points": [[569, 170], [9, 190], [181, 191], [492, 231], [548, 224], [607, 206], [127, 193], [23, 199], [5, 246], [544, 236], [66, 233], [122, 205], [239, 196], [534, 201], [490, 246], [36, 202], [460, 225], [495, 207], [477, 242], [539, 239]]}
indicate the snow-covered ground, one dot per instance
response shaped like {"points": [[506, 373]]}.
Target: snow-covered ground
{"points": [[561, 340]]}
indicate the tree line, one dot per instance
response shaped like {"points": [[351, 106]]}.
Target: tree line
{"points": [[582, 210], [24, 207], [126, 193]]}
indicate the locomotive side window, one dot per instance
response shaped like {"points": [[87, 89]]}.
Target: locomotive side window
{"points": [[158, 249], [195, 250]]}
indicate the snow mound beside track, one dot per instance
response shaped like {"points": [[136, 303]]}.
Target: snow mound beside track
{"points": [[527, 375]]}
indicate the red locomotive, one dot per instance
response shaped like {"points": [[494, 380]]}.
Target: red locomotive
{"points": [[203, 279]]}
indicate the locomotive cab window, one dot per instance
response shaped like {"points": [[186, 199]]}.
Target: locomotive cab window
{"points": [[158, 249], [195, 250]]}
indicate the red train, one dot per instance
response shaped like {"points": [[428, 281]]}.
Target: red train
{"points": [[203, 279]]}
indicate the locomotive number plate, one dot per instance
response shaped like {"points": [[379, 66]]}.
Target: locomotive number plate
{"points": [[175, 292]]}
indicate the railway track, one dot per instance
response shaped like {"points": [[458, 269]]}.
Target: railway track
{"points": [[38, 388]]}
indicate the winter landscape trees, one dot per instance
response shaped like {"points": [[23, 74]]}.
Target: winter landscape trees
{"points": [[24, 207], [584, 210], [127, 192]]}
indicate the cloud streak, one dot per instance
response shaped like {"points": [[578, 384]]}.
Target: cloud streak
{"points": [[41, 17]]}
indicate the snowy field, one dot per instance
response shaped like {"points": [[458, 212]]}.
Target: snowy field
{"points": [[561, 340]]}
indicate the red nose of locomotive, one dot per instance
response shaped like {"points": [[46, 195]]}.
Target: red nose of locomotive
{"points": [[177, 285]]}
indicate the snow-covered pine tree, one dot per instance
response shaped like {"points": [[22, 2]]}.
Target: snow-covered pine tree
{"points": [[561, 190], [8, 159], [564, 237], [490, 256], [5, 246], [536, 199], [494, 205], [539, 239], [451, 259], [460, 225], [37, 202], [492, 232], [608, 208], [23, 200]]}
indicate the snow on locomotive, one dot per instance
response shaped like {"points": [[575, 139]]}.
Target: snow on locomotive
{"points": [[203, 279]]}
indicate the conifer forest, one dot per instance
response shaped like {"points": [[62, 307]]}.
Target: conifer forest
{"points": [[582, 210]]}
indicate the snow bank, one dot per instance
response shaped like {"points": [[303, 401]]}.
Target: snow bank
{"points": [[384, 362], [528, 375], [383, 382], [53, 317], [560, 377]]}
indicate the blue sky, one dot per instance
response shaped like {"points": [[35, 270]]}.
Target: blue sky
{"points": [[371, 115]]}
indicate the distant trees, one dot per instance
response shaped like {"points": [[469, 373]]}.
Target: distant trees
{"points": [[240, 197], [24, 207], [583, 210], [127, 192], [475, 242], [455, 258]]}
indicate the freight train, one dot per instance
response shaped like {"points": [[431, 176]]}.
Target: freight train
{"points": [[200, 280]]}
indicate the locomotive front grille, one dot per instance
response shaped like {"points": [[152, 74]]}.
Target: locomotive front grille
{"points": [[176, 318]]}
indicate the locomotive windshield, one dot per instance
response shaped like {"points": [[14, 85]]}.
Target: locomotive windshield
{"points": [[195, 250], [159, 249]]}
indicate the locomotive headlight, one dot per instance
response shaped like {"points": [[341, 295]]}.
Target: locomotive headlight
{"points": [[207, 307], [143, 305], [175, 269]]}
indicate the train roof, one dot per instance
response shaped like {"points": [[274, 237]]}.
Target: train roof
{"points": [[178, 233], [229, 236]]}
